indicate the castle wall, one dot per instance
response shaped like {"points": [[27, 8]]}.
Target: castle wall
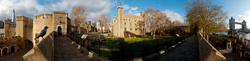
{"points": [[39, 22], [6, 28], [42, 51], [21, 23], [28, 35], [63, 17], [12, 31]]}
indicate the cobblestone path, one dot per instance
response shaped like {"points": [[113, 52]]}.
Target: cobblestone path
{"points": [[65, 51], [188, 51]]}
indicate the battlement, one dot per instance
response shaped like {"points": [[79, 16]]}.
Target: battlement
{"points": [[56, 12], [22, 18], [12, 25], [131, 15], [14, 39], [6, 21]]}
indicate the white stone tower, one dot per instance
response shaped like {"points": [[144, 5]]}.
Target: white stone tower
{"points": [[13, 17]]}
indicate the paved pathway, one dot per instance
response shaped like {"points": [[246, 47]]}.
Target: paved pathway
{"points": [[17, 56], [65, 51], [188, 51]]}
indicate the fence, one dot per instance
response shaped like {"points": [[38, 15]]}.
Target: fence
{"points": [[120, 50]]}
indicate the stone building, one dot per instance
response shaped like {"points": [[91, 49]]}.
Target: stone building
{"points": [[126, 22], [57, 21]]}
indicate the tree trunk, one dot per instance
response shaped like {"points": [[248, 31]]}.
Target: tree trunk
{"points": [[79, 29], [154, 35]]}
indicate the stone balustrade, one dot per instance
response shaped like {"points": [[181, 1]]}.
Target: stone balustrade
{"points": [[42, 51]]}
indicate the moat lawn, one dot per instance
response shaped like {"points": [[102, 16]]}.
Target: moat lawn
{"points": [[145, 38], [132, 49]]}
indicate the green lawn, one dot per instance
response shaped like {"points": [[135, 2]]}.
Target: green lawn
{"points": [[151, 47], [145, 38]]}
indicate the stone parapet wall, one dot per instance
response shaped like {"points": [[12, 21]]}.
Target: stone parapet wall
{"points": [[13, 39], [42, 51], [207, 51]]}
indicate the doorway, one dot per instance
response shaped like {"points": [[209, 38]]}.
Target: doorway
{"points": [[12, 49], [59, 29]]}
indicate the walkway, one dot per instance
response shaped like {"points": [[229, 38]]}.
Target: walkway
{"points": [[17, 56], [65, 51], [188, 51]]}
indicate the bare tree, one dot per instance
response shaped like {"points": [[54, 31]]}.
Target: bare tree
{"points": [[104, 20], [141, 27], [78, 15], [177, 23], [153, 18], [204, 15]]}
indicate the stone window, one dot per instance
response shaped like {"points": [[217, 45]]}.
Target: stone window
{"points": [[125, 23], [128, 19], [130, 23], [60, 17], [123, 19], [130, 28], [135, 20]]}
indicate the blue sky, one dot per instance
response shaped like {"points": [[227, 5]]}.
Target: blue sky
{"points": [[235, 8], [175, 9]]}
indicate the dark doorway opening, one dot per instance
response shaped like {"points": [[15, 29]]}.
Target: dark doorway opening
{"points": [[29, 42], [59, 29], [4, 52], [12, 49]]}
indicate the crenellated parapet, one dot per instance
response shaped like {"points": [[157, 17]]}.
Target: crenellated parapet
{"points": [[22, 18], [42, 17], [13, 39]]}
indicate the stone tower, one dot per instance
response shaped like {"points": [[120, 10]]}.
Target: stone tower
{"points": [[119, 18], [6, 28], [244, 28], [232, 24], [21, 22]]}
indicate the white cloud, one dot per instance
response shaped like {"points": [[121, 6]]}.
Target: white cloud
{"points": [[245, 17], [133, 8], [174, 16], [134, 11], [31, 8], [125, 7]]}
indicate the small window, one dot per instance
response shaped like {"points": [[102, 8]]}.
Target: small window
{"points": [[60, 17], [125, 23], [128, 19], [135, 20], [123, 19], [130, 23], [130, 28]]}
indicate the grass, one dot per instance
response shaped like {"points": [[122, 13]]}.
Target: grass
{"points": [[129, 49], [145, 38]]}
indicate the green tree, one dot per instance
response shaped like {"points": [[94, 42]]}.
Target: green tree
{"points": [[204, 15]]}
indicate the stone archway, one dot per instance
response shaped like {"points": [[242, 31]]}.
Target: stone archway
{"points": [[12, 49], [4, 51], [59, 29]]}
